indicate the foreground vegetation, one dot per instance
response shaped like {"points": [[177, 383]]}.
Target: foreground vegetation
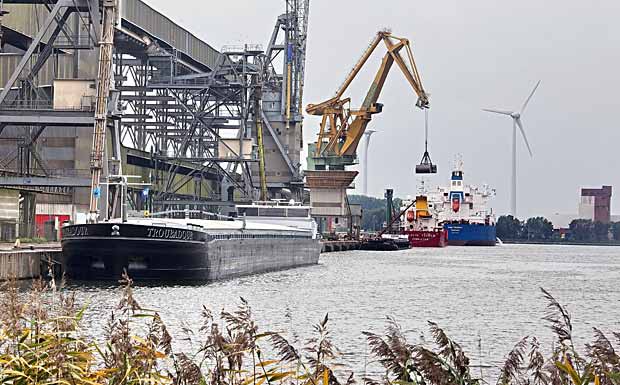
{"points": [[43, 341]]}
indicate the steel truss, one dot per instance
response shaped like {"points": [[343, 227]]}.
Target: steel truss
{"points": [[23, 101], [188, 124], [184, 119]]}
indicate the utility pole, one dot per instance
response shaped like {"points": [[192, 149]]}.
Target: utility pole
{"points": [[367, 134]]}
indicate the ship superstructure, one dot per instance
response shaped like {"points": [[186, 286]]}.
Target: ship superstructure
{"points": [[464, 211]]}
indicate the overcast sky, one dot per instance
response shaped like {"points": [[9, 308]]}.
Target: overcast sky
{"points": [[471, 54]]}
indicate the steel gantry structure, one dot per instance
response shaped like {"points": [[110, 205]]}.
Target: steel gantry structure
{"points": [[282, 100], [180, 115]]}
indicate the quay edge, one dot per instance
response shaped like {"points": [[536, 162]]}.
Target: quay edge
{"points": [[27, 264]]}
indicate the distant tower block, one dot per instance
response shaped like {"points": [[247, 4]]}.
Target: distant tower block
{"points": [[367, 134]]}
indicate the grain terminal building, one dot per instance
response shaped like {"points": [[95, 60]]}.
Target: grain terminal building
{"points": [[180, 119]]}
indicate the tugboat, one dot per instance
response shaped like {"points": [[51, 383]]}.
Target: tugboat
{"points": [[390, 238], [422, 228]]}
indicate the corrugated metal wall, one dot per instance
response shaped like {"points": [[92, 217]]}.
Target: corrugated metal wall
{"points": [[140, 14], [26, 18], [64, 68], [9, 205], [54, 209]]}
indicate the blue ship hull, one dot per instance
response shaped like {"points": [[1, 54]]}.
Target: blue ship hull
{"points": [[470, 234]]}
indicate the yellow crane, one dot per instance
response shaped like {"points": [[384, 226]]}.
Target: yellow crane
{"points": [[341, 128]]}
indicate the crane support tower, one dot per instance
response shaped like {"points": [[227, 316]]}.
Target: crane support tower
{"points": [[106, 50], [282, 106]]}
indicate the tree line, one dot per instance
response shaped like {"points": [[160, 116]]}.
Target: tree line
{"points": [[541, 229], [508, 227], [373, 217]]}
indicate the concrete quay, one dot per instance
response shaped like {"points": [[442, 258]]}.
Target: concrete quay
{"points": [[27, 262], [32, 260]]}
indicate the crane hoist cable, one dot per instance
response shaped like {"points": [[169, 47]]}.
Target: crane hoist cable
{"points": [[426, 166]]}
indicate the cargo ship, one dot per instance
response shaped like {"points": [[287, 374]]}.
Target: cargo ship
{"points": [[464, 213], [421, 226], [264, 237]]}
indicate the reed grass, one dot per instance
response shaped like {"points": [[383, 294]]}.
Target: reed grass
{"points": [[43, 341]]}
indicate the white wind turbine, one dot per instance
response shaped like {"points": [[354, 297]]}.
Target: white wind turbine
{"points": [[367, 134], [516, 121]]}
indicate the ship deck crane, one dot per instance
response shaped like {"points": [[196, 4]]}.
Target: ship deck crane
{"points": [[341, 128]]}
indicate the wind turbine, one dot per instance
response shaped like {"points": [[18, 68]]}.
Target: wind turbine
{"points": [[516, 122], [367, 134]]}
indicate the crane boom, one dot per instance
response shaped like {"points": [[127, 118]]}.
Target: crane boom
{"points": [[303, 12], [338, 138], [358, 66]]}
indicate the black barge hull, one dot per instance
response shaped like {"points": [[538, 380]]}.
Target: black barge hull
{"points": [[103, 251]]}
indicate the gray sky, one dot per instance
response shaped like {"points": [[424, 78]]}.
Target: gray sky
{"points": [[471, 54]]}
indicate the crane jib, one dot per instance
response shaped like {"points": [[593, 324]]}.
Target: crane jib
{"points": [[342, 128]]}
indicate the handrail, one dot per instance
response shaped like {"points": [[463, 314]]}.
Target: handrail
{"points": [[220, 216]]}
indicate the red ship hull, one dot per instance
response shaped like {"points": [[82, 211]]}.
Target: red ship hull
{"points": [[428, 238]]}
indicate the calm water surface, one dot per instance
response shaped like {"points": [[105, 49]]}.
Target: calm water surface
{"points": [[485, 298]]}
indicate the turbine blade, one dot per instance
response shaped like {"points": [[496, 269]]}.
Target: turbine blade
{"points": [[518, 121], [529, 97], [503, 112]]}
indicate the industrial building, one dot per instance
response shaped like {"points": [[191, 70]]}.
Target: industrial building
{"points": [[595, 204], [181, 119]]}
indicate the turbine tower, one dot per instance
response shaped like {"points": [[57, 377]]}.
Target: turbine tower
{"points": [[516, 122], [367, 134]]}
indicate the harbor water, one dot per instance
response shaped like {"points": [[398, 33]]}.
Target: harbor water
{"points": [[486, 298]]}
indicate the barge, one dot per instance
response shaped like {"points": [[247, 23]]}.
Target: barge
{"points": [[193, 249]]}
